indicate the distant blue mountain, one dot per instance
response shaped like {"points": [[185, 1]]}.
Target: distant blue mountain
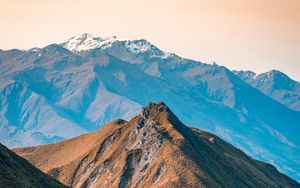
{"points": [[63, 90], [276, 85]]}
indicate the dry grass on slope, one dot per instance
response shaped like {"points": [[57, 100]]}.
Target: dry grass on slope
{"points": [[17, 172], [154, 149]]}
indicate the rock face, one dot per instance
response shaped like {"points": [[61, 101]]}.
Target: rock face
{"points": [[154, 149], [17, 172]]}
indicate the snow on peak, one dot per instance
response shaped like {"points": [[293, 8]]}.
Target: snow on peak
{"points": [[138, 46], [87, 41], [143, 46]]}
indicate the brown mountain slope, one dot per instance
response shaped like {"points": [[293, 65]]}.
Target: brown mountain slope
{"points": [[16, 172], [153, 149]]}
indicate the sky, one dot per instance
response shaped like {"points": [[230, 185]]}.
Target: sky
{"points": [[257, 35]]}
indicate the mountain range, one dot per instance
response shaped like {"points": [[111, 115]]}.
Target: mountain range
{"points": [[153, 149], [63, 90]]}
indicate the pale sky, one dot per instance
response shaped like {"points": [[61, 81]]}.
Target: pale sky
{"points": [[257, 35]]}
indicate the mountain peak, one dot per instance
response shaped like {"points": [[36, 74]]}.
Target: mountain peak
{"points": [[153, 109], [86, 41], [276, 73], [159, 113], [275, 84]]}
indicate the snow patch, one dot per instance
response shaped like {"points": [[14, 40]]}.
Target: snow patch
{"points": [[280, 136], [121, 77], [138, 46]]}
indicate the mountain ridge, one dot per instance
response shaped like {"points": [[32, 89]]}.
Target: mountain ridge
{"points": [[275, 84], [154, 149]]}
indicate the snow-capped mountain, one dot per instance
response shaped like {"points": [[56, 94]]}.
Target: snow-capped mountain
{"points": [[276, 85], [54, 93], [85, 42]]}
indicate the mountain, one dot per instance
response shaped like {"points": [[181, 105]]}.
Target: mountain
{"points": [[17, 172], [53, 93], [276, 85], [153, 149]]}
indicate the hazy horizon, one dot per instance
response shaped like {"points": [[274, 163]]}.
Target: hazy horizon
{"points": [[248, 35]]}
